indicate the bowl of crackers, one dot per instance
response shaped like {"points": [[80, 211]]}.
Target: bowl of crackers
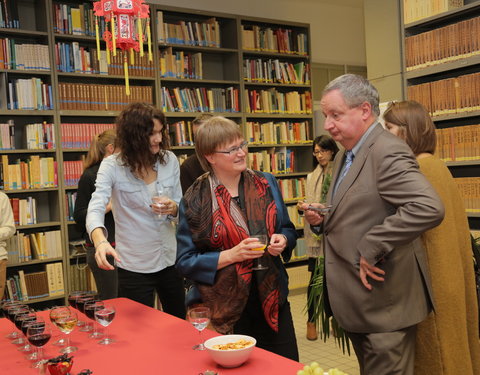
{"points": [[230, 350]]}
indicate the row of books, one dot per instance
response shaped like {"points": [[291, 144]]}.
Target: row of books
{"points": [[459, 143], [70, 198], [29, 286], [470, 191], [23, 247], [33, 173], [28, 94], [24, 210], [180, 64], [438, 46], [273, 101], [295, 217], [276, 71], [257, 38], [293, 189], [81, 278], [71, 57], [40, 136], [181, 133], [277, 160], [205, 34], [447, 96], [23, 56], [80, 135], [76, 20], [7, 135], [95, 97], [282, 132], [9, 14], [414, 10], [72, 171], [200, 99]]}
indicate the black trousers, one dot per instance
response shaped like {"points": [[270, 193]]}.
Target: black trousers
{"points": [[253, 323], [140, 287], [106, 280]]}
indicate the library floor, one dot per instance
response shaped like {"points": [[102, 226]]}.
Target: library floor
{"points": [[328, 355]]}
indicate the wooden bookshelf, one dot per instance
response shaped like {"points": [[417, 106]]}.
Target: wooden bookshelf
{"points": [[429, 65], [211, 57]]}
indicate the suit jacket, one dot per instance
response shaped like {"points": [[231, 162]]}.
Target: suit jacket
{"points": [[379, 211]]}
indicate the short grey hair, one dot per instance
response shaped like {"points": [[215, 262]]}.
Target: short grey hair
{"points": [[355, 90]]}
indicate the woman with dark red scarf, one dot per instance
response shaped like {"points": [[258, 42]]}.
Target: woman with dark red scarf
{"points": [[219, 217]]}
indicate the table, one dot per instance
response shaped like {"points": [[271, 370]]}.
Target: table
{"points": [[148, 342]]}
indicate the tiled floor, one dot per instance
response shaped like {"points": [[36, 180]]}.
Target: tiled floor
{"points": [[327, 354]]}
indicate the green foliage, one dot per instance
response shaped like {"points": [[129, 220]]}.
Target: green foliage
{"points": [[322, 321]]}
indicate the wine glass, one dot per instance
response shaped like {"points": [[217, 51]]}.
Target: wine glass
{"points": [[163, 194], [66, 321], [257, 262], [81, 307], [72, 301], [199, 317], [20, 321], [17, 315], [90, 308], [10, 312], [55, 312], [5, 306], [105, 316], [38, 335], [38, 320]]}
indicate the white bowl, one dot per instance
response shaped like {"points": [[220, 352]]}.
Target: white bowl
{"points": [[229, 358]]}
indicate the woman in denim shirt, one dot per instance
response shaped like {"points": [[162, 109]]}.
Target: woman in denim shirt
{"points": [[144, 232]]}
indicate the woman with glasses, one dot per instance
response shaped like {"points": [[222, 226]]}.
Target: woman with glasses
{"points": [[318, 182], [145, 245], [219, 217]]}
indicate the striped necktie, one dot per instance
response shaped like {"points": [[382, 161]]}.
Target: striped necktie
{"points": [[347, 165]]}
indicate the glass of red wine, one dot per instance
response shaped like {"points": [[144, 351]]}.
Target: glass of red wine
{"points": [[32, 356], [72, 301], [17, 315], [38, 335], [104, 317], [19, 322], [81, 307], [10, 312], [5, 306], [199, 317], [90, 308]]}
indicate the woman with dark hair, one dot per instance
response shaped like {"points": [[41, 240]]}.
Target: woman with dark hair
{"points": [[318, 182], [220, 216], [144, 235], [102, 146], [447, 341]]}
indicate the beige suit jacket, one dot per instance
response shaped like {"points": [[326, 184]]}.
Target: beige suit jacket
{"points": [[379, 211]]}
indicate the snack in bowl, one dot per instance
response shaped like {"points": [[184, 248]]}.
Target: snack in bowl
{"points": [[230, 350]]}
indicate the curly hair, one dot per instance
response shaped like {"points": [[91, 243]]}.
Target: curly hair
{"points": [[134, 128]]}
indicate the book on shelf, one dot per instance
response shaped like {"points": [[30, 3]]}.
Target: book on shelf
{"points": [[9, 14], [7, 135], [276, 102], [414, 10], [469, 188], [277, 40]]}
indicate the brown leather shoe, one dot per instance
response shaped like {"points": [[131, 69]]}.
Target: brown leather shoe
{"points": [[311, 331]]}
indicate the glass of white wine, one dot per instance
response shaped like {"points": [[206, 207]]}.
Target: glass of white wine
{"points": [[199, 317], [257, 263], [164, 193], [66, 322]]}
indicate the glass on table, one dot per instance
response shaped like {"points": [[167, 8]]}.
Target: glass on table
{"points": [[81, 307], [257, 262], [104, 317], [90, 308], [55, 312], [8, 310], [22, 321], [66, 321], [199, 317], [38, 335], [25, 325], [72, 301], [17, 314]]}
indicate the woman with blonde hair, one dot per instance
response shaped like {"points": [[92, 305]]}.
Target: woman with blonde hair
{"points": [[102, 146], [447, 341]]}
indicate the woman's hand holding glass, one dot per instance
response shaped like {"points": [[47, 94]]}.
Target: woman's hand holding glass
{"points": [[162, 204]]}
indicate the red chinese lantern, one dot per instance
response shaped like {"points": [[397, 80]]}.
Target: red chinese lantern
{"points": [[126, 29]]}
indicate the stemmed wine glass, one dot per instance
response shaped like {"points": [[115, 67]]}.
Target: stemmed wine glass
{"points": [[10, 312], [257, 262], [17, 315], [81, 307], [90, 308], [199, 317], [55, 312], [72, 301], [27, 323], [5, 306], [66, 321], [38, 335], [20, 321], [105, 316]]}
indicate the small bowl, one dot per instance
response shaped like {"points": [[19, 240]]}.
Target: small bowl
{"points": [[232, 357]]}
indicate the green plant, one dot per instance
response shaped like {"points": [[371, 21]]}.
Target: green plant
{"points": [[322, 321]]}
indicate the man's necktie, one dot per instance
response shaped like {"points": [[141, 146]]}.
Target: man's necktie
{"points": [[348, 164]]}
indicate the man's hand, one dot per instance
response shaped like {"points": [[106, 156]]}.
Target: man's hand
{"points": [[313, 217], [367, 270]]}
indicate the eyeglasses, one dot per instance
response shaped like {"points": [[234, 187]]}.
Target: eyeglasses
{"points": [[243, 146], [320, 152]]}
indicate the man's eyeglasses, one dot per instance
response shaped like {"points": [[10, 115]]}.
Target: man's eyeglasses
{"points": [[243, 146]]}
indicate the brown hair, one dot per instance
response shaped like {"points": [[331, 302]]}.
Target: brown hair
{"points": [[215, 132], [414, 120], [134, 127], [200, 119], [98, 147]]}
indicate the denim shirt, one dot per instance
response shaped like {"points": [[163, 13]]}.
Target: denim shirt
{"points": [[144, 241]]}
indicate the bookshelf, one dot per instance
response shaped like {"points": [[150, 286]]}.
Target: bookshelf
{"points": [[441, 69], [254, 71]]}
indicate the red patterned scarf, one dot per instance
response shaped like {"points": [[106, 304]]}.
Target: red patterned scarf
{"points": [[218, 223]]}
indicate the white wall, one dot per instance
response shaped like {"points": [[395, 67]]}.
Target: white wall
{"points": [[338, 35]]}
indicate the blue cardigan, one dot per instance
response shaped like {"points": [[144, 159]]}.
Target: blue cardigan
{"points": [[200, 265]]}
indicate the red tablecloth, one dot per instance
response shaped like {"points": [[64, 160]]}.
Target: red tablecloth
{"points": [[148, 342]]}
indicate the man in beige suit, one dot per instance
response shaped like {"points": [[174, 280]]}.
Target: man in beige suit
{"points": [[376, 272]]}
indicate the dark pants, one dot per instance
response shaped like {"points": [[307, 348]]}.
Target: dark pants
{"points": [[106, 281], [253, 323], [385, 353], [311, 307], [140, 287]]}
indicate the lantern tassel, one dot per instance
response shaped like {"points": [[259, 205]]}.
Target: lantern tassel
{"points": [[140, 35], [125, 69], [114, 36], [149, 37], [97, 37], [108, 57]]}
